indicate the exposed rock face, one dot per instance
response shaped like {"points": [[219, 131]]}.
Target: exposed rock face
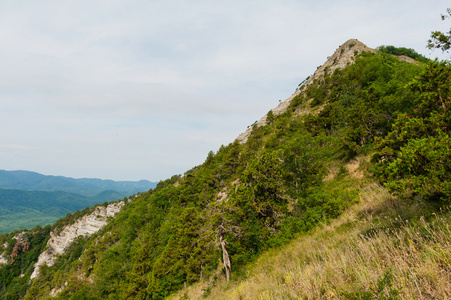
{"points": [[86, 225], [2, 258], [342, 57], [407, 59]]}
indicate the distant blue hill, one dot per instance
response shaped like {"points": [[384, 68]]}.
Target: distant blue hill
{"points": [[28, 199], [32, 181]]}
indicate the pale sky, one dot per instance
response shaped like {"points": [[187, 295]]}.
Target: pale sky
{"points": [[130, 90]]}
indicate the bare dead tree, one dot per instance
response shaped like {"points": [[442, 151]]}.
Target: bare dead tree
{"points": [[225, 254]]}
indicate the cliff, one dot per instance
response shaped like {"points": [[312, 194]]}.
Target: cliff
{"points": [[87, 225]]}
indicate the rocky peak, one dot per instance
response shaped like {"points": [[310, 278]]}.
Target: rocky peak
{"points": [[343, 56]]}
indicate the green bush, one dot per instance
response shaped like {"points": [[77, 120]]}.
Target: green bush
{"points": [[414, 158]]}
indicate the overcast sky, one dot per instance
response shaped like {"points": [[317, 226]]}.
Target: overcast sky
{"points": [[130, 90]]}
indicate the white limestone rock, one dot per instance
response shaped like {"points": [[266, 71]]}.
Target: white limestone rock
{"points": [[86, 225], [342, 57], [3, 260]]}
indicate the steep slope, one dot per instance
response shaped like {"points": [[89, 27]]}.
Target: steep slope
{"points": [[342, 57], [290, 174], [84, 226], [381, 248]]}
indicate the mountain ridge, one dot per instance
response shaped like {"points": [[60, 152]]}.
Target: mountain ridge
{"points": [[342, 57], [33, 181], [28, 199], [292, 174], [26, 209]]}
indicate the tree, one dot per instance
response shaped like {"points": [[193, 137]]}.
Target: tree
{"points": [[403, 51], [441, 40], [225, 253], [415, 157], [270, 117]]}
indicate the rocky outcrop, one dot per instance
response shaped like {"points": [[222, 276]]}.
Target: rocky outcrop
{"points": [[2, 260], [342, 57], [86, 225], [407, 59]]}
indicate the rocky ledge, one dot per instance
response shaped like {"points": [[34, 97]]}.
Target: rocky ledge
{"points": [[86, 225]]}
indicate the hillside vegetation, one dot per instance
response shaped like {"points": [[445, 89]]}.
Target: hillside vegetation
{"points": [[294, 211], [381, 248]]}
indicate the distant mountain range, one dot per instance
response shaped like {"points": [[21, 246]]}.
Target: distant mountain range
{"points": [[28, 199], [32, 181]]}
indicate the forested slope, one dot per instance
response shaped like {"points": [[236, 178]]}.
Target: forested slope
{"points": [[299, 169]]}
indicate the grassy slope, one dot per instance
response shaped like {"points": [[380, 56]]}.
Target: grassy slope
{"points": [[381, 247]]}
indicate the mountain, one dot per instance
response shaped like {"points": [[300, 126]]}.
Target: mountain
{"points": [[28, 199], [32, 181], [341, 192], [27, 209]]}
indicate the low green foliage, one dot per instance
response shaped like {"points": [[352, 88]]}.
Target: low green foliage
{"points": [[414, 158], [361, 101], [403, 51]]}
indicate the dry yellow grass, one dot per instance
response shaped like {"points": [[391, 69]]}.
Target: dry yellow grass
{"points": [[402, 258]]}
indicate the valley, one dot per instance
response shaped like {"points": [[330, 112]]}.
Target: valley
{"points": [[28, 199]]}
